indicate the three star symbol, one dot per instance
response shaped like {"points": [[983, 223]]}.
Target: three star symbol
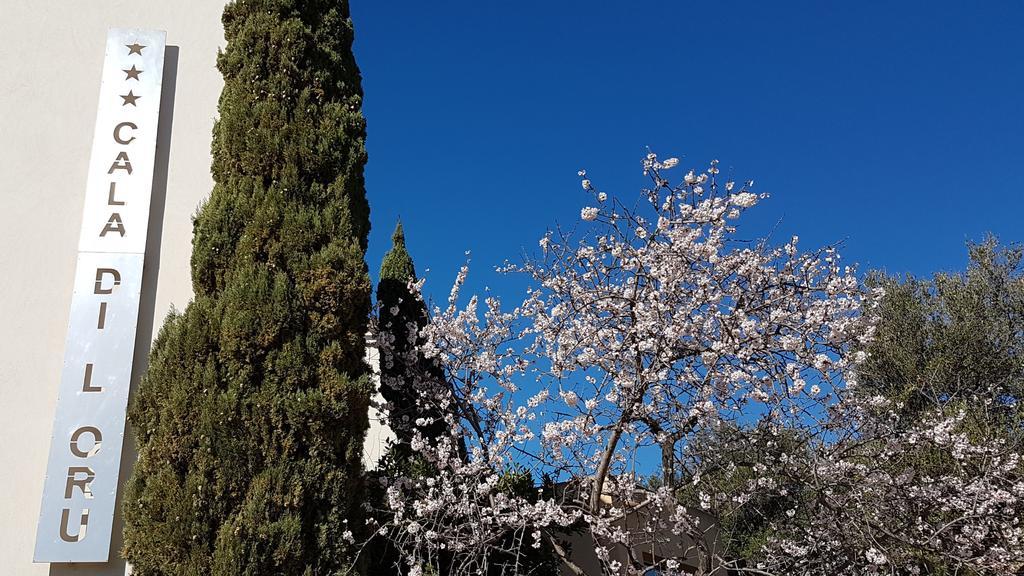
{"points": [[130, 98], [132, 73]]}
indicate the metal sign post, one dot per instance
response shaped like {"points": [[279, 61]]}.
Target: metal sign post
{"points": [[80, 489]]}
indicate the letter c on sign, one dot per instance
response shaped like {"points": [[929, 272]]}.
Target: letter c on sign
{"points": [[96, 437], [117, 132]]}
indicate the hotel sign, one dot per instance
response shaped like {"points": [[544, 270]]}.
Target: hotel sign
{"points": [[80, 490]]}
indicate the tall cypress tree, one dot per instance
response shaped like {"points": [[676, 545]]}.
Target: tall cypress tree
{"points": [[251, 418]]}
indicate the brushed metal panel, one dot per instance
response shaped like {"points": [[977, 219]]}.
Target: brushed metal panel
{"points": [[80, 489]]}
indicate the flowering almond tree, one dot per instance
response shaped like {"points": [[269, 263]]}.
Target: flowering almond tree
{"points": [[651, 331]]}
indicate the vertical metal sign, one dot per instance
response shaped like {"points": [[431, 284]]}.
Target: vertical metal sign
{"points": [[80, 489]]}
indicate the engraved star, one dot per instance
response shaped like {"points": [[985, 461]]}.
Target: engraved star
{"points": [[129, 98], [135, 48], [133, 73]]}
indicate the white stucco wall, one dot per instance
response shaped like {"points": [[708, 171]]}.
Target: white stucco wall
{"points": [[50, 59], [379, 436]]}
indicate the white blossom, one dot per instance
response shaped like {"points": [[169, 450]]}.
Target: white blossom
{"points": [[744, 199]]}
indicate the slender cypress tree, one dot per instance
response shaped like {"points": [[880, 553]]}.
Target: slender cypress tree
{"points": [[402, 316], [251, 418]]}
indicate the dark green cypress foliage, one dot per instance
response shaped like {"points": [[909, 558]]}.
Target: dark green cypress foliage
{"points": [[401, 316], [251, 418]]}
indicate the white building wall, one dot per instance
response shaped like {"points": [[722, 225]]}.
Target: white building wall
{"points": [[379, 436], [50, 58]]}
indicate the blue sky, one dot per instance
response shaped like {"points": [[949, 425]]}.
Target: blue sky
{"points": [[895, 128]]}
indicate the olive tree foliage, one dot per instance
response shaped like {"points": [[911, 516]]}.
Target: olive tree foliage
{"points": [[649, 324], [955, 340], [251, 418]]}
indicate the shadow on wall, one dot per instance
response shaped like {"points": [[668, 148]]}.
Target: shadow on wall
{"points": [[147, 310]]}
